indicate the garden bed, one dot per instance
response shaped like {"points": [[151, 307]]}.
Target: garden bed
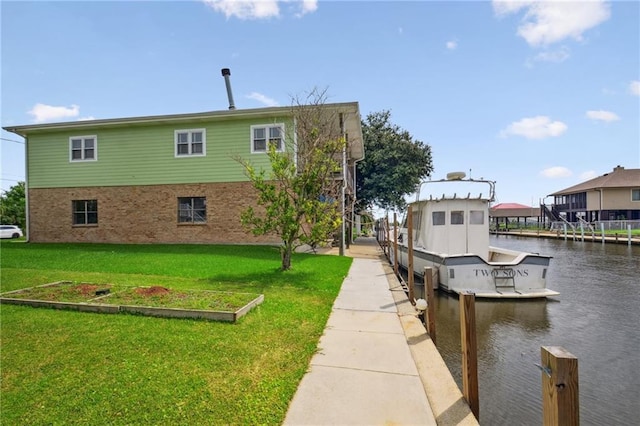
{"points": [[153, 301]]}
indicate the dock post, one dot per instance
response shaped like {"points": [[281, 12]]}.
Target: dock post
{"points": [[410, 271], [629, 235], [431, 304], [559, 387], [602, 232], [564, 225], [395, 243], [469, 351]]}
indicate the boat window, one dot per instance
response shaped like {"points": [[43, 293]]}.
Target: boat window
{"points": [[457, 217], [438, 218], [476, 217]]}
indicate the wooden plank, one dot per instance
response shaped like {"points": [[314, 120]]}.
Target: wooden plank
{"points": [[395, 243], [410, 272], [560, 402], [431, 304], [469, 352]]}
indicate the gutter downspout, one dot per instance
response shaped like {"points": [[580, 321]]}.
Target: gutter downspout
{"points": [[344, 182], [26, 189]]}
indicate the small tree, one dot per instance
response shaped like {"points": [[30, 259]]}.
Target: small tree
{"points": [[13, 206], [299, 196]]}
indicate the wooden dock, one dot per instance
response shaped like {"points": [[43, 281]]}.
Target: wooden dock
{"points": [[621, 238]]}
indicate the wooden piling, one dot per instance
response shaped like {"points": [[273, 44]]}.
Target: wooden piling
{"points": [[560, 405], [410, 272], [395, 244], [469, 351], [431, 304]]}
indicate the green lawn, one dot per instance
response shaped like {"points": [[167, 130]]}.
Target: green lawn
{"points": [[66, 367]]}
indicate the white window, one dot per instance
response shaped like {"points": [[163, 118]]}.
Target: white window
{"points": [[457, 217], [476, 217], [83, 148], [438, 218], [192, 210], [190, 143], [85, 212], [266, 134], [635, 195]]}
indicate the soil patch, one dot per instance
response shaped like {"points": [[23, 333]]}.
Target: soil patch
{"points": [[86, 289], [152, 291]]}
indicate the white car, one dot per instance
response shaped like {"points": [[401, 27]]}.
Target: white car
{"points": [[10, 231]]}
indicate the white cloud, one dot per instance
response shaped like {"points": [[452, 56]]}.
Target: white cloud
{"points": [[590, 174], [246, 9], [262, 99], [88, 118], [556, 172], [601, 115], [539, 127], [548, 22], [452, 45], [634, 88], [506, 7], [307, 6], [43, 112], [260, 9], [558, 55]]}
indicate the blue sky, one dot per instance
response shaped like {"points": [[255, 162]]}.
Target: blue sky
{"points": [[536, 96]]}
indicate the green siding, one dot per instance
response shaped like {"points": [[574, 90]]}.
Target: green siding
{"points": [[145, 155]]}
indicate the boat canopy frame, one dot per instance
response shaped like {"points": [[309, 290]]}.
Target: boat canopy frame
{"points": [[456, 178]]}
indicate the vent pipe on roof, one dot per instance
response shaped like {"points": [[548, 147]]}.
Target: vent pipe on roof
{"points": [[226, 72]]}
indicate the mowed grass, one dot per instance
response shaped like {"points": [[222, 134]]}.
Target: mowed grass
{"points": [[65, 367]]}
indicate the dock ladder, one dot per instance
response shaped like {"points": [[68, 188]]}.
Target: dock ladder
{"points": [[504, 277]]}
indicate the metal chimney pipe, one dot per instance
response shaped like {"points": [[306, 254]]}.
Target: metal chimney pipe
{"points": [[226, 72]]}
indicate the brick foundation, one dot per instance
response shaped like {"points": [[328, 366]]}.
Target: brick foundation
{"points": [[143, 214]]}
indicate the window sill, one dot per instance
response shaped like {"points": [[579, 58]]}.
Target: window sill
{"points": [[192, 223], [89, 225]]}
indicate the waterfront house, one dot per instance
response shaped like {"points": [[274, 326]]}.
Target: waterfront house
{"points": [[612, 196], [161, 179]]}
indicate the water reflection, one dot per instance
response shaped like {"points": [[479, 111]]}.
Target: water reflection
{"points": [[595, 318]]}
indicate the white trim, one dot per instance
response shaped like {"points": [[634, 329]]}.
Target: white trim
{"points": [[83, 148], [190, 143], [267, 127]]}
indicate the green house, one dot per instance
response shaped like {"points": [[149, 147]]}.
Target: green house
{"points": [[162, 179]]}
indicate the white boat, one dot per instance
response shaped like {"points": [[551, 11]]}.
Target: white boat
{"points": [[451, 235]]}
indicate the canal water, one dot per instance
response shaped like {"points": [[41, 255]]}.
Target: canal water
{"points": [[596, 318]]}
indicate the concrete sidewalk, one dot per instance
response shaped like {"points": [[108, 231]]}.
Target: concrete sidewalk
{"points": [[365, 371]]}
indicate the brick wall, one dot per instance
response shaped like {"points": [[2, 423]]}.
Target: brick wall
{"points": [[143, 214]]}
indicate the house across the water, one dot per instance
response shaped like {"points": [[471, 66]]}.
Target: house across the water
{"points": [[611, 197]]}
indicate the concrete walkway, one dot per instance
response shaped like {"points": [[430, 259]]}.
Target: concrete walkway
{"points": [[365, 371]]}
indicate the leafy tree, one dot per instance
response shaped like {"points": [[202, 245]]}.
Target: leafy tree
{"points": [[12, 206], [393, 166], [298, 199]]}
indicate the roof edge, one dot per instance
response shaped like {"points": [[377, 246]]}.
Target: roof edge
{"points": [[23, 130]]}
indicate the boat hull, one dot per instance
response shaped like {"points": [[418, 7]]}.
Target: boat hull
{"points": [[523, 276]]}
